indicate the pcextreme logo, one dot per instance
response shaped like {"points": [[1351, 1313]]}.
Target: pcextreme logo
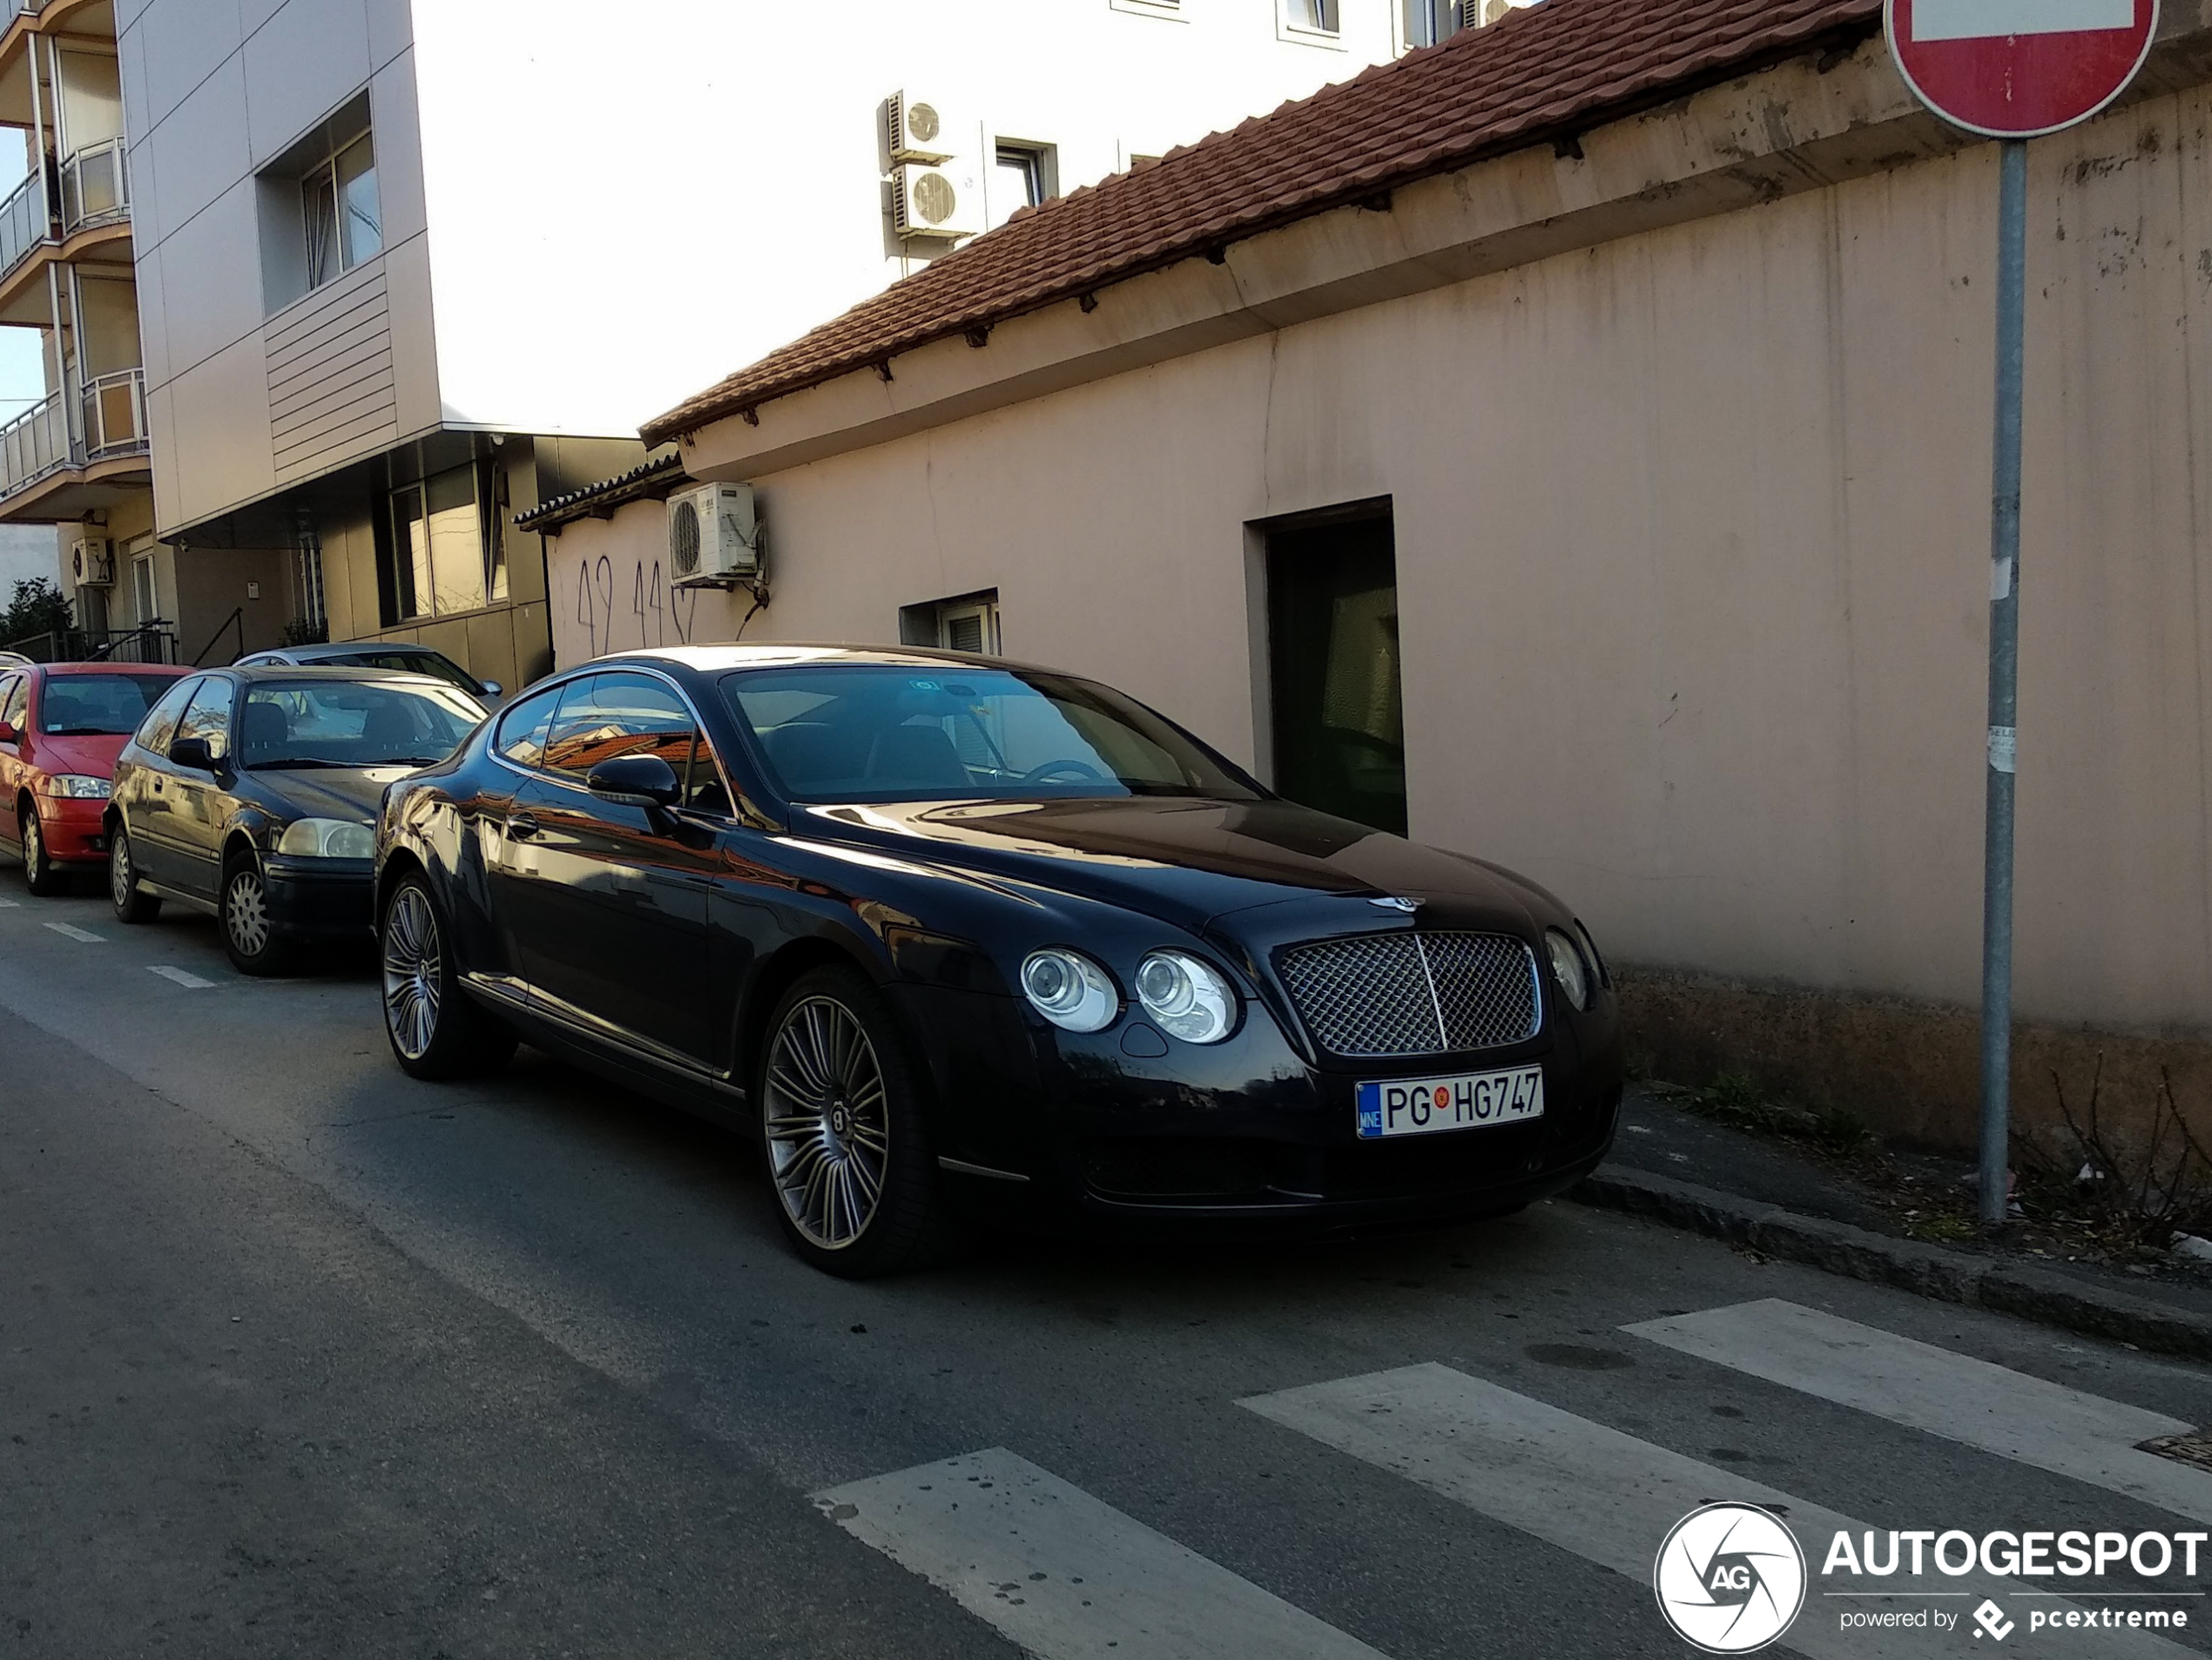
{"points": [[1730, 1578]]}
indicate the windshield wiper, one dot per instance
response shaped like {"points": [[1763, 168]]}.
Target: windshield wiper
{"points": [[302, 761]]}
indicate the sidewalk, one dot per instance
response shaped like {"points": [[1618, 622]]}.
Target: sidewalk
{"points": [[1780, 1200]]}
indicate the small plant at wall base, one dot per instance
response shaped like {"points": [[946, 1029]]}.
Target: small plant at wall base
{"points": [[2137, 1188], [302, 631], [37, 607]]}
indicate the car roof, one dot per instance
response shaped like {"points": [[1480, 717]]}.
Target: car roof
{"points": [[712, 659], [169, 669], [326, 649], [316, 673]]}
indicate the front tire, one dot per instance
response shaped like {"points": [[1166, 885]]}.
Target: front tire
{"points": [[250, 933], [435, 1029], [841, 1114], [131, 905], [40, 873]]}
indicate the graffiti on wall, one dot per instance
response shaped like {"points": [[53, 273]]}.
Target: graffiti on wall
{"points": [[656, 613]]}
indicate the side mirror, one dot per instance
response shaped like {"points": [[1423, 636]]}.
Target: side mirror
{"points": [[192, 753], [491, 688], [635, 781]]}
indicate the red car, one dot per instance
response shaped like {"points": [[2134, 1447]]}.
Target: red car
{"points": [[62, 725]]}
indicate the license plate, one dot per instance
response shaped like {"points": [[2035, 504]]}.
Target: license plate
{"points": [[1472, 1101]]}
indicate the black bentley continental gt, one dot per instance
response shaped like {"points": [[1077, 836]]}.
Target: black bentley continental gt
{"points": [[958, 939], [249, 793]]}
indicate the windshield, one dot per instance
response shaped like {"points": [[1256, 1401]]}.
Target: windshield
{"points": [[99, 706], [343, 723], [876, 732]]}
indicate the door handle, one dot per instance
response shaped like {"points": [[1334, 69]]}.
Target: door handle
{"points": [[521, 827]]}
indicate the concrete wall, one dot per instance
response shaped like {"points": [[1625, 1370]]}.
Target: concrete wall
{"points": [[1692, 545]]}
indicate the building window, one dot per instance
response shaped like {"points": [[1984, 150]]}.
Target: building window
{"points": [[440, 551], [144, 593], [1430, 21], [1168, 9], [968, 623], [321, 212], [1022, 175], [343, 224], [1311, 16]]}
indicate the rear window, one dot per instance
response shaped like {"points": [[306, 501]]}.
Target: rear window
{"points": [[99, 706]]}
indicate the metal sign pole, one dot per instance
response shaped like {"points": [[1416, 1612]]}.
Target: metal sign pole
{"points": [[2004, 689]]}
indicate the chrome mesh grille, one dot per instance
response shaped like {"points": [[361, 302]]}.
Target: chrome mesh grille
{"points": [[1381, 994]]}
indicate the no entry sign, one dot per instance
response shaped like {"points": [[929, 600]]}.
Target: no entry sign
{"points": [[2017, 68]]}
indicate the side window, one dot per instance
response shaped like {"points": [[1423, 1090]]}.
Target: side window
{"points": [[620, 714], [208, 716], [522, 729], [15, 699], [160, 724]]}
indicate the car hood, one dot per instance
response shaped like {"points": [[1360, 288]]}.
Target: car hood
{"points": [[353, 794], [1188, 862], [92, 754]]}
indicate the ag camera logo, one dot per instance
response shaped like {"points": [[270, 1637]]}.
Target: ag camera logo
{"points": [[1730, 1578]]}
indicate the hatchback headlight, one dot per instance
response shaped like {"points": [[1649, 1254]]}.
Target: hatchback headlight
{"points": [[1569, 968], [327, 838], [1187, 996], [1070, 990], [78, 787]]}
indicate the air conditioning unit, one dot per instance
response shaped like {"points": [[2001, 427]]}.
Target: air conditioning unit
{"points": [[713, 535], [936, 201], [91, 561], [919, 129]]}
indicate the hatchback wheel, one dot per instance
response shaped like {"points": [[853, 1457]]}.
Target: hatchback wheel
{"points": [[130, 904], [249, 933], [40, 873], [435, 1031], [848, 1151]]}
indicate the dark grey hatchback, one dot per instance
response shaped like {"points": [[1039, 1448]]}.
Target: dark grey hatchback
{"points": [[249, 793]]}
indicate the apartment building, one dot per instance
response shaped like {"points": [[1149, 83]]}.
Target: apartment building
{"points": [[332, 290]]}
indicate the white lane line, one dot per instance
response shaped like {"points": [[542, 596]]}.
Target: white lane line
{"points": [[1604, 1495], [184, 977], [70, 930], [9, 904], [1062, 1574], [1992, 1408]]}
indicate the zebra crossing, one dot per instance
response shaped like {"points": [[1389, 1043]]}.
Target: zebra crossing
{"points": [[1062, 1574]]}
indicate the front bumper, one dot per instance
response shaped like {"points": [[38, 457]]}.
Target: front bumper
{"points": [[71, 826], [322, 897], [1245, 1137]]}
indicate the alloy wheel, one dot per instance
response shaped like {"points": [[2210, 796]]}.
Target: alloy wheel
{"points": [[122, 881], [411, 966], [34, 851], [828, 1131], [245, 913]]}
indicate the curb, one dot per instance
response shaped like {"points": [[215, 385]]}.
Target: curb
{"points": [[1930, 1270]]}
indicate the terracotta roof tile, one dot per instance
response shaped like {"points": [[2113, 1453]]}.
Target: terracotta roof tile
{"points": [[1537, 74]]}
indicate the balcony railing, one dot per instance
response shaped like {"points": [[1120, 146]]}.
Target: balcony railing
{"points": [[25, 222], [98, 421], [95, 186], [112, 419]]}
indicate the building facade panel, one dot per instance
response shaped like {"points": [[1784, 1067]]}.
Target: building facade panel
{"points": [[199, 150], [308, 59], [181, 43]]}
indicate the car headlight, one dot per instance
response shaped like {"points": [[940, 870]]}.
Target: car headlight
{"points": [[1590, 949], [1187, 996], [1070, 990], [1569, 968], [78, 787], [327, 838]]}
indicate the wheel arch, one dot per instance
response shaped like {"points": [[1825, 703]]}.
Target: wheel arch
{"points": [[776, 975]]}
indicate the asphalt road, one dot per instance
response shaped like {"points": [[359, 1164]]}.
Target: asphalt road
{"points": [[300, 1357]]}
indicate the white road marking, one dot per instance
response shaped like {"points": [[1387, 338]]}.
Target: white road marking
{"points": [[2000, 1411], [1990, 19], [184, 977], [70, 930], [9, 904], [1604, 1495], [1062, 1574]]}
